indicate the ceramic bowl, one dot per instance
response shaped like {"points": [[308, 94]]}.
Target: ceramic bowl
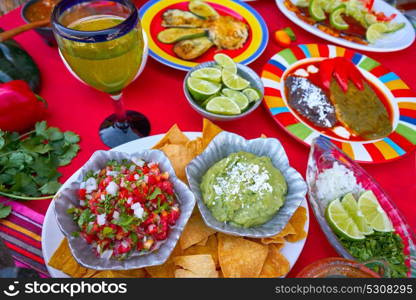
{"points": [[222, 146], [243, 71]]}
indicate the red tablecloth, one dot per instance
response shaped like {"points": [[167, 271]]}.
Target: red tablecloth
{"points": [[158, 94]]}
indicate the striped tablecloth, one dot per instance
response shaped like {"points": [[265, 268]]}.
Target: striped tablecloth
{"points": [[21, 232]]}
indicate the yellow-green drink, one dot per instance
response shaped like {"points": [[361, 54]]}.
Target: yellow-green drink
{"points": [[107, 66]]}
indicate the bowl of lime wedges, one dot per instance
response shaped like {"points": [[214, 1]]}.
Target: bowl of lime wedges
{"points": [[223, 90]]}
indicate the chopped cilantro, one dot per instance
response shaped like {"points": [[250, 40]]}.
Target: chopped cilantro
{"points": [[157, 191], [386, 246], [85, 217]]}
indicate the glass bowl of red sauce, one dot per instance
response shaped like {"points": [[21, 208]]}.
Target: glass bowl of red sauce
{"points": [[39, 10], [336, 267]]}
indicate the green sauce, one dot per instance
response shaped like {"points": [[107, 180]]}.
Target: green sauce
{"points": [[244, 189], [107, 66]]}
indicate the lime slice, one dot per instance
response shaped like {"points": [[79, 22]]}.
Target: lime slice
{"points": [[223, 105], [226, 62], [341, 222], [252, 94], [373, 213], [375, 31], [336, 20], [211, 74], [238, 97], [393, 27], [201, 89], [351, 206], [234, 81], [316, 10]]}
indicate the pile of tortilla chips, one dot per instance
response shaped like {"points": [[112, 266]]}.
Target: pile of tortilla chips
{"points": [[201, 251]]}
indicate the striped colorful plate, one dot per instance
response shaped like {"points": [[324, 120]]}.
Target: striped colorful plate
{"points": [[402, 100], [151, 19]]}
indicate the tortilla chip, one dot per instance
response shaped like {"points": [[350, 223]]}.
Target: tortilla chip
{"points": [[166, 270], [209, 131], [63, 260], [175, 146], [279, 238], [202, 266], [173, 136], [61, 255], [276, 264], [195, 147], [298, 222], [194, 232], [179, 156], [273, 240], [136, 273], [203, 242], [240, 257], [211, 248]]}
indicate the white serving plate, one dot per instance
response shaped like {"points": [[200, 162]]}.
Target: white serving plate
{"points": [[396, 41], [52, 236]]}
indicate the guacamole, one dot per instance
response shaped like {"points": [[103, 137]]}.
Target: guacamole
{"points": [[243, 189]]}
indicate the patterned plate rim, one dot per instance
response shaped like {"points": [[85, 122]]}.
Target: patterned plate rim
{"points": [[400, 142], [248, 9]]}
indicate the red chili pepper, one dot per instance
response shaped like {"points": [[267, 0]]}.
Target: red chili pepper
{"points": [[381, 17], [326, 68], [20, 108], [341, 73], [356, 77], [343, 70]]}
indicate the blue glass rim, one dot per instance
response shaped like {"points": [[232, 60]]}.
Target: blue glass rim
{"points": [[93, 36]]}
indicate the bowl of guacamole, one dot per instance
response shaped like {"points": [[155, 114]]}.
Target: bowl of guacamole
{"points": [[245, 187]]}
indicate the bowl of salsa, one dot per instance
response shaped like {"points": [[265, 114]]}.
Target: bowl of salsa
{"points": [[39, 10], [124, 211]]}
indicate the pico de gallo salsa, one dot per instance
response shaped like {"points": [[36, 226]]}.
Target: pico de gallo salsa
{"points": [[125, 207]]}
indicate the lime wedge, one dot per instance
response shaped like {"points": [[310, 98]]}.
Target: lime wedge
{"points": [[211, 74], [238, 97], [373, 213], [316, 10], [393, 27], [201, 89], [226, 62], [375, 31], [204, 104], [234, 81], [252, 94], [336, 20], [351, 206], [341, 222], [223, 105]]}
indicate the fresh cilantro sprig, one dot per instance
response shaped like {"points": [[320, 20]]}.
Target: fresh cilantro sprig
{"points": [[5, 210], [29, 162]]}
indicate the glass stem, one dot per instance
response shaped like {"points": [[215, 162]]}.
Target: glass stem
{"points": [[119, 108]]}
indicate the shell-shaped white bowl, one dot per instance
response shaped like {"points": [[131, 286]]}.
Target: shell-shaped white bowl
{"points": [[223, 145], [83, 252]]}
